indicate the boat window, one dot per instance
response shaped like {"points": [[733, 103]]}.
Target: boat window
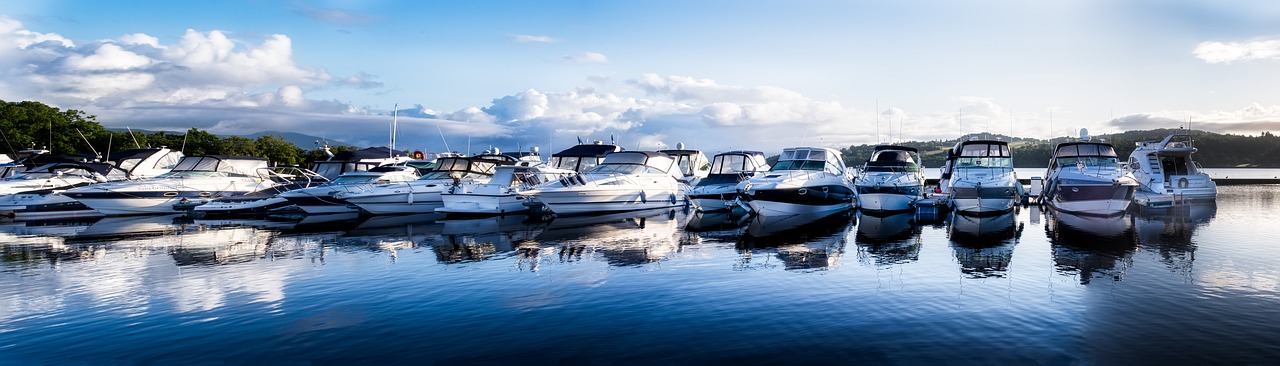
{"points": [[565, 162], [626, 158], [587, 163], [729, 164], [117, 174], [817, 155], [624, 169], [128, 164], [977, 150], [503, 176], [788, 154], [328, 169]]}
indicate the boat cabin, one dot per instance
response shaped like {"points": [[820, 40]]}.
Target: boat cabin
{"points": [[637, 162], [1090, 154], [982, 154], [693, 163], [358, 161], [473, 167], [1170, 156], [810, 158], [581, 158], [738, 162], [217, 166], [889, 158]]}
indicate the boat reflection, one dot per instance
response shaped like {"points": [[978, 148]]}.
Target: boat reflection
{"points": [[473, 240], [722, 226], [802, 242], [983, 245], [1090, 247], [885, 239], [624, 239], [1168, 232]]}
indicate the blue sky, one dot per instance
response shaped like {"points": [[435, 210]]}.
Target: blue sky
{"points": [[712, 74]]}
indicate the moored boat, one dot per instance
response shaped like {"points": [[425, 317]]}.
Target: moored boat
{"points": [[890, 180], [624, 181], [1167, 175], [194, 177], [423, 195], [1085, 177], [978, 177], [805, 180], [719, 189]]}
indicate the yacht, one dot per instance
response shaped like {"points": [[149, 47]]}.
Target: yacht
{"points": [[624, 181], [1085, 177], [194, 177], [48, 202], [718, 191], [891, 180], [978, 177], [506, 192], [58, 176], [423, 195], [693, 164], [261, 202], [358, 161], [1166, 174], [321, 199], [805, 180]]}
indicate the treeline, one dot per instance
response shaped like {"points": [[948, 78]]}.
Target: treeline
{"points": [[34, 125], [1215, 150]]}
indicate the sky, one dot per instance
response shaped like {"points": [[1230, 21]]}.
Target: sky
{"points": [[713, 75]]}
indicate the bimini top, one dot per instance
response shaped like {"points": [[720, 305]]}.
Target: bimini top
{"points": [[595, 150], [371, 153], [982, 148], [45, 171], [1082, 148], [810, 158], [637, 162], [231, 165], [1173, 143], [467, 167], [738, 161], [892, 158]]}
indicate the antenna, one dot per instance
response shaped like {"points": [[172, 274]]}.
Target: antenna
{"points": [[110, 136], [395, 109], [135, 138], [51, 135], [446, 142], [6, 142], [877, 121], [184, 143], [1051, 125], [86, 142]]}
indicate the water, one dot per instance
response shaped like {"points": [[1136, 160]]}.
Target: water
{"points": [[658, 287]]}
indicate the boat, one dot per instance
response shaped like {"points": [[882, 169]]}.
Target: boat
{"points": [[265, 201], [1167, 175], [892, 179], [321, 199], [1085, 177], [805, 180], [505, 193], [718, 191], [978, 178], [423, 195], [361, 160], [693, 164], [48, 202], [194, 177], [624, 181]]}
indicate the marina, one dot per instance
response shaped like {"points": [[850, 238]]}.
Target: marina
{"points": [[1191, 285]]}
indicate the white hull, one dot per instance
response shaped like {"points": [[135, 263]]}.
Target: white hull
{"points": [[1187, 196], [981, 206], [577, 201], [770, 208], [886, 202], [1108, 207], [480, 204], [712, 204], [415, 197]]}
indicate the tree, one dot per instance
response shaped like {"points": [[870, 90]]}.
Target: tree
{"points": [[279, 150]]}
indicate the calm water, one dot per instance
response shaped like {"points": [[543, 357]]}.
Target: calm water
{"points": [[1200, 285]]}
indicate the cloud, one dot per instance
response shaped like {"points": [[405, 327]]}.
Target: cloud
{"points": [[360, 80], [1251, 119], [1227, 52], [587, 58], [529, 38]]}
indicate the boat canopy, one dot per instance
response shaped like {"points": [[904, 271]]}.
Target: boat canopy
{"points": [[468, 167], [231, 165], [810, 158], [356, 161], [738, 161], [637, 162], [983, 154], [887, 158], [1073, 149], [129, 160], [582, 157]]}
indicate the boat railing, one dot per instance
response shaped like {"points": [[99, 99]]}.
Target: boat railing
{"points": [[291, 175]]}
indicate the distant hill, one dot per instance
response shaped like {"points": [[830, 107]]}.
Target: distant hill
{"points": [[304, 141]]}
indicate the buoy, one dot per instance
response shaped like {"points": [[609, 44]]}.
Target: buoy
{"points": [[1183, 183]]}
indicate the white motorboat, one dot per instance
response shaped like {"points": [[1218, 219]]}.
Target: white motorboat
{"points": [[358, 161], [891, 180], [321, 199], [58, 175], [624, 181], [1086, 178], [1166, 174], [719, 189], [979, 178], [506, 192], [423, 195], [805, 180], [48, 202], [194, 177], [693, 164]]}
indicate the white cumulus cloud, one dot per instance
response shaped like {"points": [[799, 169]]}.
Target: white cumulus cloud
{"points": [[588, 58], [531, 38], [1227, 52]]}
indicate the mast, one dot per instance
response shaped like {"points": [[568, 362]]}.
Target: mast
{"points": [[395, 109]]}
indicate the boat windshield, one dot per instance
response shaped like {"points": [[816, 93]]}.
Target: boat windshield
{"points": [[625, 169], [808, 159], [224, 168], [985, 156], [1090, 155], [575, 163], [367, 178], [733, 164], [892, 161]]}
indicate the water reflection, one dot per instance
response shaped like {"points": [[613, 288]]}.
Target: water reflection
{"points": [[802, 242], [983, 245], [1169, 232], [1090, 247], [885, 239], [622, 239]]}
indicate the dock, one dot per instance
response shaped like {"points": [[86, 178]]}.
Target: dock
{"points": [[1222, 181]]}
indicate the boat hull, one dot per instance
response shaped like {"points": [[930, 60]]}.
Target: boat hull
{"points": [[801, 201], [886, 201], [713, 198], [1096, 200], [581, 201], [984, 200], [482, 204]]}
